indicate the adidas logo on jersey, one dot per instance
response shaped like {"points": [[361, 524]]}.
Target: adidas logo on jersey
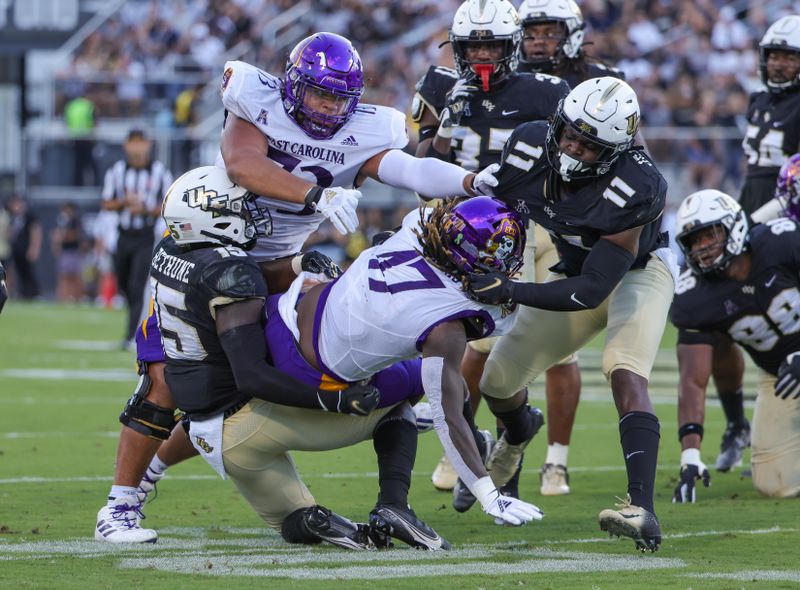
{"points": [[349, 140]]}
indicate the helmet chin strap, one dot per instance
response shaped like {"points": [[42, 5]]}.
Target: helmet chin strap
{"points": [[484, 71]]}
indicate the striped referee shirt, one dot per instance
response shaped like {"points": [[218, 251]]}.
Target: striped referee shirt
{"points": [[148, 184]]}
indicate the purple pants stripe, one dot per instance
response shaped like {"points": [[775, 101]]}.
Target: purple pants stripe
{"points": [[148, 340], [398, 382]]}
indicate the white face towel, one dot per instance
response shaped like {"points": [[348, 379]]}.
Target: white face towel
{"points": [[206, 436]]}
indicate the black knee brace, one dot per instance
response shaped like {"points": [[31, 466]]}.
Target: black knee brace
{"points": [[146, 417]]}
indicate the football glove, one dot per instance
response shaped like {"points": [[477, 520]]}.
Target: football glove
{"points": [[788, 383], [484, 182], [357, 400], [380, 237], [492, 288], [318, 263], [339, 205], [456, 103], [511, 510], [692, 470]]}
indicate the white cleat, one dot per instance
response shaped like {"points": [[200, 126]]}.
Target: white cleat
{"points": [[120, 523], [444, 476], [554, 480]]}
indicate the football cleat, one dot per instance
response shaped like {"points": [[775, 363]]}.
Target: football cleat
{"points": [[336, 529], [120, 523], [553, 480], [444, 476], [401, 523], [462, 497], [505, 458], [148, 485], [633, 522], [735, 440]]}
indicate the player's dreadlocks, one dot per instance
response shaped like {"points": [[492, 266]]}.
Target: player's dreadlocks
{"points": [[435, 242]]}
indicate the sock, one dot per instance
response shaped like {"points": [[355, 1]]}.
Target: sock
{"points": [[157, 466], [639, 433], [120, 492], [395, 443], [733, 406], [519, 425], [557, 454]]}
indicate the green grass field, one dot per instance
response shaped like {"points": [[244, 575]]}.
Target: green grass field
{"points": [[62, 386]]}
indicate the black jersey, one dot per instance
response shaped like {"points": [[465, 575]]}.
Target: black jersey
{"points": [[574, 73], [188, 284], [490, 117], [762, 313], [579, 213], [773, 132]]}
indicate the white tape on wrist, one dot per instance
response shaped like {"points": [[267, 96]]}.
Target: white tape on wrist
{"points": [[690, 457], [297, 264], [484, 491]]}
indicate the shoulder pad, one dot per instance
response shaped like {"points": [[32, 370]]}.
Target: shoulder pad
{"points": [[433, 87], [235, 279], [597, 70]]}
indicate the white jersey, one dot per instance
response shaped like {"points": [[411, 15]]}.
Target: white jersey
{"points": [[255, 96], [387, 303]]}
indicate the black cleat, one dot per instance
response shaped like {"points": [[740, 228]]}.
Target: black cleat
{"points": [[387, 520], [462, 497], [634, 522], [336, 529]]}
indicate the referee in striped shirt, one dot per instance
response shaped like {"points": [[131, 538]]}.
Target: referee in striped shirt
{"points": [[135, 187]]}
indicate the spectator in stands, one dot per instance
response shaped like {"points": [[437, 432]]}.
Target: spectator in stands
{"points": [[134, 187], [79, 117], [26, 246]]}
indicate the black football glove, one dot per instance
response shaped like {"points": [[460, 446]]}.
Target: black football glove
{"points": [[492, 288], [356, 400], [456, 103], [380, 237], [692, 469], [788, 383], [318, 263]]}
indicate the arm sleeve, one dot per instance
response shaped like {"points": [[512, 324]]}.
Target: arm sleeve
{"points": [[247, 352], [427, 176], [602, 270]]}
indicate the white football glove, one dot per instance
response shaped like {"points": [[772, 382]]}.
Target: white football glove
{"points": [[692, 470], [484, 181], [339, 205], [509, 510]]}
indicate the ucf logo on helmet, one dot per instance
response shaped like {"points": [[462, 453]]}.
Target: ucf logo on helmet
{"points": [[206, 200]]}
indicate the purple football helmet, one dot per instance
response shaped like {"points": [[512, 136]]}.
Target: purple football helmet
{"points": [[788, 189], [325, 71], [485, 233]]}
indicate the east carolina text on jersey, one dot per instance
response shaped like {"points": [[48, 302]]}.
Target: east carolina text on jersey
{"points": [[255, 96]]}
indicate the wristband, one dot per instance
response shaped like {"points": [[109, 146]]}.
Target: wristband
{"points": [[297, 264], [313, 196], [484, 491]]}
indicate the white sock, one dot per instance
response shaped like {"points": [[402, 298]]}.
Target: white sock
{"points": [[118, 492], [557, 454], [157, 466]]}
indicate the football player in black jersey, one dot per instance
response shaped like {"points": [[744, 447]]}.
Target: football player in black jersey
{"points": [[209, 298], [773, 114], [601, 199], [743, 284], [552, 42], [466, 119]]}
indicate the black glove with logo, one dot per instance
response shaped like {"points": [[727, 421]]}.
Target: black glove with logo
{"points": [[318, 263], [357, 400], [492, 288]]}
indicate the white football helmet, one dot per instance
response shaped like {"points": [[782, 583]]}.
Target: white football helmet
{"points": [[566, 12], [783, 34], [479, 21], [711, 208], [603, 110], [205, 206]]}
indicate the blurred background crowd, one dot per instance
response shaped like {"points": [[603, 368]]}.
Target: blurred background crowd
{"points": [[156, 64]]}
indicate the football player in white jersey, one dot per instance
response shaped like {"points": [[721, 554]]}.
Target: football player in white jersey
{"points": [[297, 142], [402, 298]]}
